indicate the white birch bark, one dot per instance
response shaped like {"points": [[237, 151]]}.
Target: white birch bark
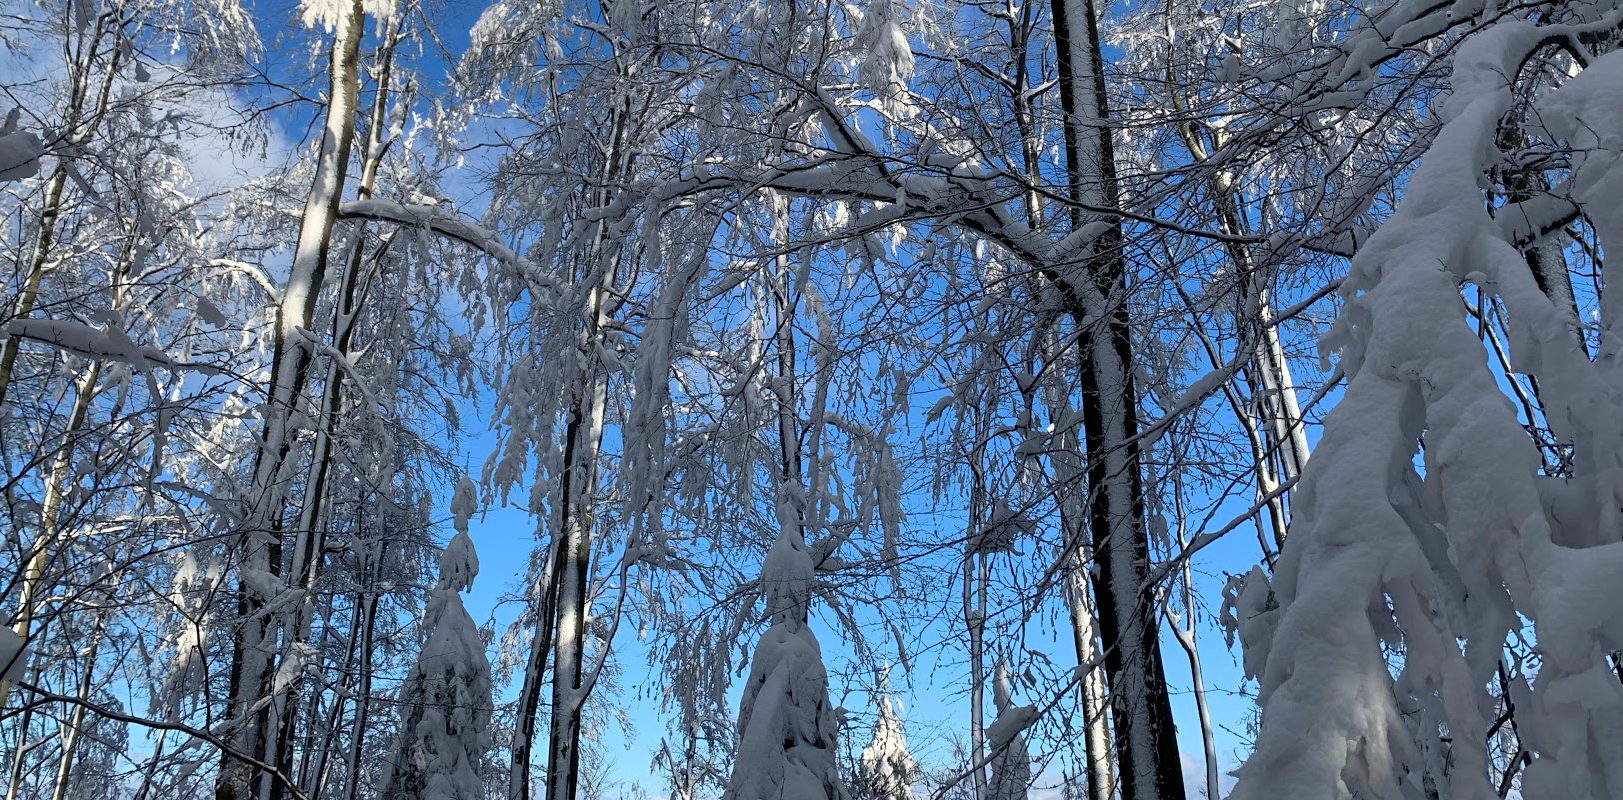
{"points": [[251, 711], [73, 731], [82, 117]]}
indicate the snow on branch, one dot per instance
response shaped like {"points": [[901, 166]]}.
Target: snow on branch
{"points": [[20, 150], [437, 220], [78, 338]]}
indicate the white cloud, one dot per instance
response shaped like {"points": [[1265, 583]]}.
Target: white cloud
{"points": [[222, 151]]}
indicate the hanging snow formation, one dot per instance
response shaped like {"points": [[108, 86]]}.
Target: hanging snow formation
{"points": [[1443, 562], [20, 150], [786, 723], [445, 701], [887, 58], [1006, 741]]}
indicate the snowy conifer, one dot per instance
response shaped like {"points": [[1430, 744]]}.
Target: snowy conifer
{"points": [[786, 723], [445, 703], [888, 770], [1006, 740]]}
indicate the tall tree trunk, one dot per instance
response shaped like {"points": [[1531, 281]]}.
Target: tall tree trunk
{"points": [[370, 597], [23, 305], [313, 774], [308, 554], [1079, 604], [250, 712], [975, 580], [1283, 433], [79, 125], [75, 726], [41, 553], [1068, 471], [583, 438], [1146, 746], [974, 593], [43, 549], [56, 479], [584, 432], [529, 701]]}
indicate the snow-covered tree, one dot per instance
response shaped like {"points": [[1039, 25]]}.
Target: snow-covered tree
{"points": [[887, 770], [445, 702], [1435, 519], [786, 723], [1006, 741]]}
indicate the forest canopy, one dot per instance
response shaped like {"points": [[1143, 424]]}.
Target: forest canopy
{"points": [[847, 399]]}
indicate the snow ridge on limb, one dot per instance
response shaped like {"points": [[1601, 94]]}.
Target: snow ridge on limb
{"points": [[1443, 560], [450, 226], [20, 150], [112, 344]]}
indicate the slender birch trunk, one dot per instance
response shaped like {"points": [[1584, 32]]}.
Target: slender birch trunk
{"points": [[51, 208], [86, 389], [313, 775], [75, 726], [150, 774], [1185, 632], [974, 598], [79, 126], [1069, 469], [251, 712], [56, 479], [1279, 442], [40, 554], [1101, 772], [363, 695]]}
